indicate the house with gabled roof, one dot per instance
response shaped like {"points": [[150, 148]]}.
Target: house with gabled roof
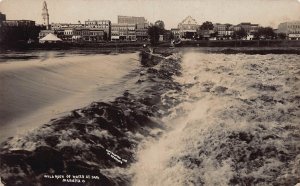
{"points": [[188, 27]]}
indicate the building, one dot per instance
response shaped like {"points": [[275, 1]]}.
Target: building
{"points": [[167, 36], [43, 33], [19, 31], [123, 32], [175, 32], [248, 27], [45, 15], [115, 32], [19, 23], [104, 25], [290, 29], [65, 31], [131, 28], [77, 32], [141, 34], [140, 22], [220, 28], [206, 34], [234, 28], [97, 35], [50, 38], [294, 36], [2, 18], [68, 34], [63, 26], [188, 28], [223, 31], [83, 34]]}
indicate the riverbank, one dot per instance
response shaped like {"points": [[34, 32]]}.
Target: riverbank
{"points": [[242, 43], [125, 46], [233, 50], [26, 54]]}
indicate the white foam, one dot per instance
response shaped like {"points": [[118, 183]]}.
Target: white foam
{"points": [[200, 127]]}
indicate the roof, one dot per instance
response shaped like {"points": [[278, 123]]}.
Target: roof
{"points": [[50, 37], [122, 25], [47, 31], [19, 20], [291, 22], [101, 20], [189, 20]]}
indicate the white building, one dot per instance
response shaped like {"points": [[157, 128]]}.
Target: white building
{"points": [[188, 27], [290, 29]]}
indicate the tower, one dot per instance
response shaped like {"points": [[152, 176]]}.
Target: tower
{"points": [[45, 15]]}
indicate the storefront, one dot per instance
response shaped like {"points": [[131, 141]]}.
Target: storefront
{"points": [[294, 36]]}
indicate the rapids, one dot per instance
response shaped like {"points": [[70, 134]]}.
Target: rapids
{"points": [[237, 124], [183, 118]]}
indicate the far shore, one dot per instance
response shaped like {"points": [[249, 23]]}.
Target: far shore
{"points": [[215, 46]]}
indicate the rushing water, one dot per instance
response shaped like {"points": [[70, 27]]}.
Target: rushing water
{"points": [[39, 86], [237, 124], [191, 118]]}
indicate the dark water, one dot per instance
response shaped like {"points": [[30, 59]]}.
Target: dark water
{"points": [[184, 118]]}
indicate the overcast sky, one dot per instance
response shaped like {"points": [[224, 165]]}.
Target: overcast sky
{"points": [[264, 12]]}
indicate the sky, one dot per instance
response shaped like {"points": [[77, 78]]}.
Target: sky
{"points": [[263, 12]]}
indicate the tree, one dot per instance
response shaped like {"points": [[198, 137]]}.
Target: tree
{"points": [[241, 33], [281, 36], [265, 32], [172, 36], [207, 25], [214, 34], [160, 24], [105, 36], [154, 32], [13, 34]]}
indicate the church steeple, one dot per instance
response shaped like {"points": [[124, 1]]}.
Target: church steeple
{"points": [[45, 15]]}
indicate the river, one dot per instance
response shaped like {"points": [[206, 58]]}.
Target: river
{"points": [[39, 86], [194, 118], [237, 123]]}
